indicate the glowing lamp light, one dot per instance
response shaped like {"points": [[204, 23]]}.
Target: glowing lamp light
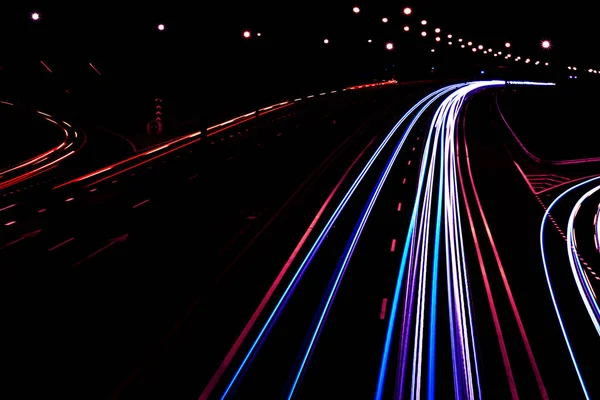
{"points": [[489, 50], [480, 47], [406, 28], [437, 30], [474, 49], [246, 34], [161, 27], [35, 16], [546, 64], [462, 46], [389, 46], [546, 44], [485, 52], [369, 41], [437, 39], [326, 41], [469, 43], [356, 10], [424, 22], [423, 33], [460, 40], [507, 45], [433, 50], [527, 61], [407, 11], [450, 43], [449, 36], [384, 20]]}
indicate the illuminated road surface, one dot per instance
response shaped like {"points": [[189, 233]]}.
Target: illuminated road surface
{"points": [[391, 278]]}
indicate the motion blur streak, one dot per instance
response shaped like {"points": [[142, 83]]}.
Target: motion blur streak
{"points": [[308, 258], [42, 162], [439, 164], [349, 250], [263, 303], [513, 303], [186, 140], [597, 229], [549, 282], [583, 284]]}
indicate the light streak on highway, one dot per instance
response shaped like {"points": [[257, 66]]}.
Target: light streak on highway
{"points": [[349, 250], [588, 296], [551, 288], [421, 264], [179, 143], [597, 229], [308, 258], [45, 161]]}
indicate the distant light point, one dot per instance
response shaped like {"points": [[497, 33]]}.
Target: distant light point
{"points": [[480, 47], [161, 27], [259, 34], [326, 41], [437, 30], [449, 36], [507, 45], [35, 16], [384, 20], [424, 22], [246, 34], [546, 44], [423, 33], [407, 11], [356, 10], [389, 46], [437, 39], [370, 41], [406, 28]]}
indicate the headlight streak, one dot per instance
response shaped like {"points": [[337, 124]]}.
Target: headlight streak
{"points": [[597, 229], [549, 283], [308, 258], [415, 255], [348, 252], [511, 299], [581, 279]]}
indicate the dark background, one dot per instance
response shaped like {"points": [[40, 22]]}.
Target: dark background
{"points": [[205, 71]]}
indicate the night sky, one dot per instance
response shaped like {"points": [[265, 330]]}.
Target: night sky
{"points": [[202, 50]]}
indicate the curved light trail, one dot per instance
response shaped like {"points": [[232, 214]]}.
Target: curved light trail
{"points": [[45, 161], [308, 258], [551, 288], [588, 296]]}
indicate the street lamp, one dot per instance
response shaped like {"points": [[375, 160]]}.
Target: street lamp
{"points": [[384, 20], [389, 46], [161, 27], [246, 34], [35, 16], [423, 33], [326, 41], [356, 10], [407, 11], [406, 28], [546, 44], [437, 30], [507, 45], [424, 22]]}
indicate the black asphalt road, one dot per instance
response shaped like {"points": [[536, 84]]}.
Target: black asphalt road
{"points": [[96, 280]]}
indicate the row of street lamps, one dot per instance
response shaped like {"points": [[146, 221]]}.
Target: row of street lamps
{"points": [[545, 44]]}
